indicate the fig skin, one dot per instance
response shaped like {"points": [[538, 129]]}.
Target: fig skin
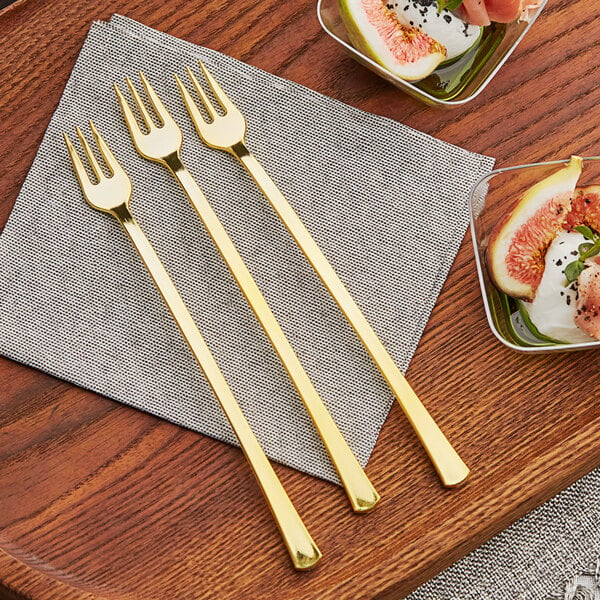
{"points": [[519, 241]]}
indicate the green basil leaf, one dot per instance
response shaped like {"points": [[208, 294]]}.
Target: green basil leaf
{"points": [[585, 231], [595, 249], [585, 247], [573, 270], [449, 4]]}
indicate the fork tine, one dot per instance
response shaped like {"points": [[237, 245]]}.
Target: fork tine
{"points": [[140, 104], [206, 101], [89, 153], [130, 118], [79, 168], [159, 108], [190, 104], [109, 158], [217, 90]]}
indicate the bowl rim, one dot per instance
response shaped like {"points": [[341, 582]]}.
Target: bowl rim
{"points": [[541, 349], [415, 91]]}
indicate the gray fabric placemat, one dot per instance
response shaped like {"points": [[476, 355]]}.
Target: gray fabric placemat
{"points": [[76, 302], [550, 554]]}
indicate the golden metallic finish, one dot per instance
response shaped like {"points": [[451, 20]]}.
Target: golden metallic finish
{"points": [[162, 144], [227, 132], [111, 194]]}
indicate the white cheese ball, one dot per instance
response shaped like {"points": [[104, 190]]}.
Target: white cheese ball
{"points": [[552, 310]]}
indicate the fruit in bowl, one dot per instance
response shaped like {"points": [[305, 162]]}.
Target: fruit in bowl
{"points": [[412, 38], [545, 254]]}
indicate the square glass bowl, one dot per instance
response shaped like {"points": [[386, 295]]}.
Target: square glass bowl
{"points": [[453, 85], [491, 197]]}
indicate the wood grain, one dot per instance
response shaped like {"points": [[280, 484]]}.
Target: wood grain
{"points": [[100, 501]]}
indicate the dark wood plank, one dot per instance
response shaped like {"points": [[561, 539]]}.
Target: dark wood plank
{"points": [[100, 501]]}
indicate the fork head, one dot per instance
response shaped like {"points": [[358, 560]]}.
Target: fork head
{"points": [[108, 192], [158, 141], [222, 131]]}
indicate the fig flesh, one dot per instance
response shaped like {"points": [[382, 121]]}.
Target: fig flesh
{"points": [[585, 208], [518, 243]]}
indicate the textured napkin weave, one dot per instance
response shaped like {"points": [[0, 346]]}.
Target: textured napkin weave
{"points": [[545, 555], [76, 302]]}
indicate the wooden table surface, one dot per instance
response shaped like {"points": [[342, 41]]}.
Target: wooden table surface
{"points": [[98, 500]]}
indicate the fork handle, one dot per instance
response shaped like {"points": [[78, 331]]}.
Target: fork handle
{"points": [[300, 545], [360, 491], [446, 461]]}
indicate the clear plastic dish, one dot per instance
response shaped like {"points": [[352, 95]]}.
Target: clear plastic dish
{"points": [[453, 85], [491, 197]]}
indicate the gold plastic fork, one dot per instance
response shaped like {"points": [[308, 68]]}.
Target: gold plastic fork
{"points": [[227, 132], [162, 144], [111, 194]]}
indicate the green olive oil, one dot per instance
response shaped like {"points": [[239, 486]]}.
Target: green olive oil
{"points": [[449, 81], [513, 322]]}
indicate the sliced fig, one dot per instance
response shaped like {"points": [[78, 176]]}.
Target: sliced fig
{"points": [[374, 29], [585, 208], [587, 307], [519, 241]]}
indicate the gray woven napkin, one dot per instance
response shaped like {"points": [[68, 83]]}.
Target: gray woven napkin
{"points": [[553, 553], [76, 302]]}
